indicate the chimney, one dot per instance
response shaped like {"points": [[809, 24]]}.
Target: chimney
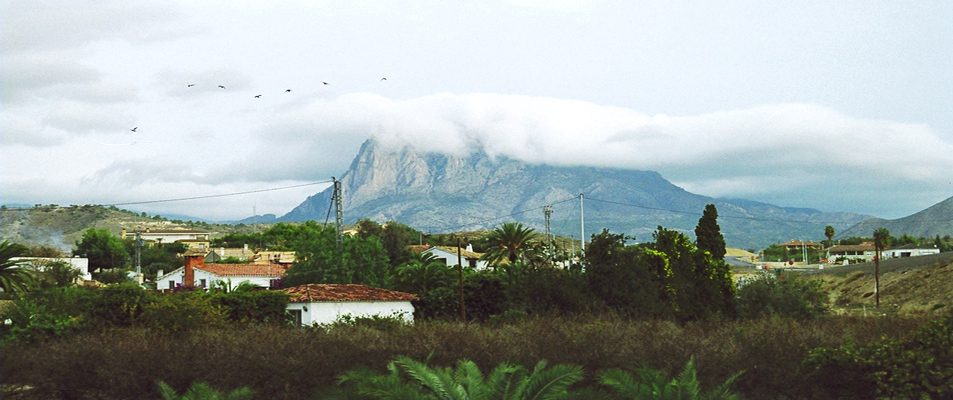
{"points": [[192, 260]]}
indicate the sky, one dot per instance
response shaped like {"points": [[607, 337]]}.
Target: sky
{"points": [[838, 106]]}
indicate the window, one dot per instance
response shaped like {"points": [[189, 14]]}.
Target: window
{"points": [[202, 282], [296, 316], [171, 284]]}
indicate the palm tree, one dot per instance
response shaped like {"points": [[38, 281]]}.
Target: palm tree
{"points": [[202, 391], [653, 384], [423, 273], [505, 382], [508, 242], [14, 275], [881, 241], [829, 232]]}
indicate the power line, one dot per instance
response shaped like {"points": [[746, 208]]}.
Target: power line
{"points": [[210, 196]]}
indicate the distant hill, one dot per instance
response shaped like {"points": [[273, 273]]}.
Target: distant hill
{"points": [[61, 227], [443, 193], [933, 221]]}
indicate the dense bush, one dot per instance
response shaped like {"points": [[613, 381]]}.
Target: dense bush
{"points": [[787, 295], [289, 363], [919, 365]]}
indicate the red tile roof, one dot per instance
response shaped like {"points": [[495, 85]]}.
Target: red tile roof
{"points": [[244, 269], [350, 292]]}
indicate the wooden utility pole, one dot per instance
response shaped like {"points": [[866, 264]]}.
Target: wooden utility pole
{"points": [[463, 305]]}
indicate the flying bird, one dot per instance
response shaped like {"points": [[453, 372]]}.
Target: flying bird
{"points": [[223, 87], [257, 96], [191, 84], [324, 82], [134, 129], [383, 79], [287, 90]]}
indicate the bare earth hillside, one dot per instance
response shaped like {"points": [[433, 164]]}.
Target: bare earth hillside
{"points": [[907, 285]]}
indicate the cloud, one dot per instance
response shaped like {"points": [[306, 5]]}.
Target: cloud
{"points": [[790, 152]]}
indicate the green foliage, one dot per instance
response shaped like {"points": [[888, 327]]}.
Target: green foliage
{"points": [[700, 285], [648, 383], [882, 239], [103, 249], [708, 234], [466, 381], [260, 307], [184, 311], [31, 320], [424, 273], [14, 275], [112, 276], [202, 391], [829, 233], [57, 274], [120, 305], [395, 238], [507, 242], [787, 296], [321, 260], [629, 279], [915, 367]]}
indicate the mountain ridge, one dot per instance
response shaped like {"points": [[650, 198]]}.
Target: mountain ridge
{"points": [[445, 193]]}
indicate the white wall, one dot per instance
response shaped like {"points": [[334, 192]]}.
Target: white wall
{"points": [[327, 312], [78, 263], [451, 259], [178, 276]]}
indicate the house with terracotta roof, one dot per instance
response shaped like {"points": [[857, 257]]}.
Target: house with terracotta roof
{"points": [[319, 304], [449, 256], [854, 252], [197, 273]]}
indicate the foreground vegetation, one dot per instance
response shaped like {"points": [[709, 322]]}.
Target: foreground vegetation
{"points": [[280, 362]]}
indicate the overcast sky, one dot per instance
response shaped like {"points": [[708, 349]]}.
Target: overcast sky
{"points": [[839, 106]]}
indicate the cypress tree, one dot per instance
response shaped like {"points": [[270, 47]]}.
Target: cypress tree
{"points": [[708, 234]]}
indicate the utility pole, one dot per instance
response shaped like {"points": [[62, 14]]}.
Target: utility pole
{"points": [[547, 213], [582, 228], [139, 257], [338, 210], [463, 306]]}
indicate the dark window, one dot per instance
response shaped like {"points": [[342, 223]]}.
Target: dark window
{"points": [[296, 316]]}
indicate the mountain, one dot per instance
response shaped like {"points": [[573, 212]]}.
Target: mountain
{"points": [[437, 193], [935, 220]]}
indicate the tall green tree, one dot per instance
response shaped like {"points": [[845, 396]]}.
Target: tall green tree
{"points": [[507, 242], [15, 276], [631, 280], [829, 232], [881, 241], [320, 259], [396, 237], [708, 234], [701, 284], [103, 249]]}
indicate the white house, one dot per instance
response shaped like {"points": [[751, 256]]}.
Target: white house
{"points": [[855, 252], [197, 273], [449, 256], [318, 304], [910, 250], [194, 239], [78, 263]]}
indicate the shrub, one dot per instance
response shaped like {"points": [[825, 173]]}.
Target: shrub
{"points": [[181, 312], [266, 306], [787, 296], [917, 366]]}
